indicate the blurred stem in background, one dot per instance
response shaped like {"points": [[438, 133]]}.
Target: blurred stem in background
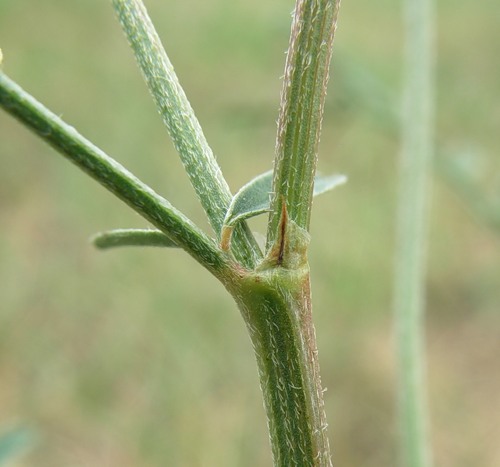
{"points": [[412, 225]]}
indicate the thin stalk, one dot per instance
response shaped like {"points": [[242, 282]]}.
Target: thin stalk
{"points": [[409, 300], [110, 174], [182, 124], [302, 101]]}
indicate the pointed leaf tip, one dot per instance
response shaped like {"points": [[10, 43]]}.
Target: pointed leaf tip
{"points": [[324, 183]]}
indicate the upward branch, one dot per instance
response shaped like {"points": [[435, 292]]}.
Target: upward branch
{"points": [[301, 113], [180, 120]]}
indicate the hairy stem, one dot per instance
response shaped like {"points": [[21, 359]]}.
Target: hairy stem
{"points": [[110, 174], [301, 113], [182, 124], [276, 307], [275, 302]]}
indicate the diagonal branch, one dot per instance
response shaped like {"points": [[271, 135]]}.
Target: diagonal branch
{"points": [[180, 120], [111, 175]]}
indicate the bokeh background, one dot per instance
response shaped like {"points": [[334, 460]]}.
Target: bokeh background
{"points": [[139, 358]]}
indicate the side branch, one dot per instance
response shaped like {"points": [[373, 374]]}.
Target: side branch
{"points": [[110, 174], [184, 129]]}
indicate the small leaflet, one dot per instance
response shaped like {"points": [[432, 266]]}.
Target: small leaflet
{"points": [[254, 198]]}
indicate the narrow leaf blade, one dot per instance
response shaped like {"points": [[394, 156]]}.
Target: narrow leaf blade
{"points": [[132, 237]]}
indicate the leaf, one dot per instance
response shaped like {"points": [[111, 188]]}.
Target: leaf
{"points": [[13, 443], [253, 199], [132, 237], [324, 183]]}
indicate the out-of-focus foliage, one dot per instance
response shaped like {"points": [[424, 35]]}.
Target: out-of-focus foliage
{"points": [[13, 443], [138, 357]]}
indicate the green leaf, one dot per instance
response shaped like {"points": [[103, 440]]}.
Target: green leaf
{"points": [[254, 198], [132, 237], [251, 200], [13, 443], [324, 183]]}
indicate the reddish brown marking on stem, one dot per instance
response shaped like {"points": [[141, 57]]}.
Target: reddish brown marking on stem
{"points": [[225, 240], [282, 230]]}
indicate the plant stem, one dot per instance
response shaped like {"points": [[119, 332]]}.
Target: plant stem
{"points": [[111, 175], [182, 124], [416, 160], [273, 294], [302, 101], [275, 300], [276, 305]]}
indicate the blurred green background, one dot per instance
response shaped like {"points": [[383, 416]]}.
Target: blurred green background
{"points": [[139, 357]]}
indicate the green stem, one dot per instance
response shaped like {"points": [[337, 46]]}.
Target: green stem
{"points": [[415, 170], [276, 306], [274, 297], [182, 124], [111, 175], [301, 113], [275, 300]]}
